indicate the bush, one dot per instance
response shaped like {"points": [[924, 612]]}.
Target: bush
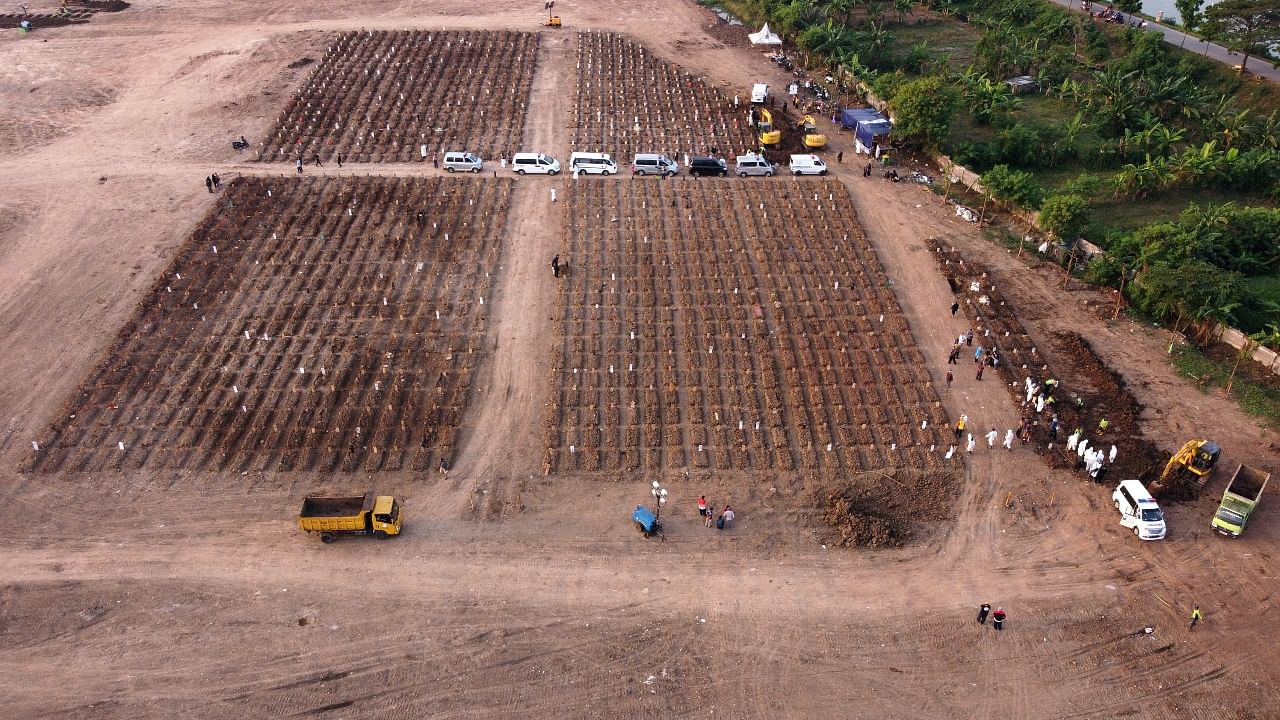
{"points": [[1014, 187], [1065, 216]]}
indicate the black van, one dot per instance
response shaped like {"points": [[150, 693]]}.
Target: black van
{"points": [[708, 166]]}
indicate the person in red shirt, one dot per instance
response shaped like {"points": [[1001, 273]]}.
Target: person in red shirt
{"points": [[997, 617], [702, 505]]}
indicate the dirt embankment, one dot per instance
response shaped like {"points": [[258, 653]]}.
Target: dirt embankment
{"points": [[1088, 393]]}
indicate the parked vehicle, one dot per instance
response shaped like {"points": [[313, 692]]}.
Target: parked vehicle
{"points": [[593, 163], [1138, 510], [646, 522], [708, 166], [753, 164], [759, 94], [807, 165], [1239, 500], [464, 161], [534, 163], [368, 514], [653, 164]]}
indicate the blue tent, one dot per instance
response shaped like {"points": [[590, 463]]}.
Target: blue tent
{"points": [[869, 126]]}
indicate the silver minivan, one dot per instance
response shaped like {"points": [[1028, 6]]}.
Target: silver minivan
{"points": [[653, 164], [753, 164], [464, 161]]}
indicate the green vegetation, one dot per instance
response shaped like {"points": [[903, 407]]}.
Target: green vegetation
{"points": [[1130, 142], [1249, 27], [1256, 395]]}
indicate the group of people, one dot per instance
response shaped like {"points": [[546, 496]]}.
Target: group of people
{"points": [[709, 517], [1110, 14], [1092, 459], [982, 358], [997, 618], [213, 182]]}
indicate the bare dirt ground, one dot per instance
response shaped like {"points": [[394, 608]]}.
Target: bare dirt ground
{"points": [[165, 593]]}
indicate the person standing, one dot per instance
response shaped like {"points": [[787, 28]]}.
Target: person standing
{"points": [[435, 161], [950, 377], [1103, 425], [978, 375], [338, 158], [991, 438], [710, 517], [555, 266], [969, 447], [727, 516], [1196, 617], [217, 182], [954, 356], [960, 425], [299, 165], [1008, 439], [983, 611], [1053, 429], [208, 182], [968, 338], [702, 505], [840, 157], [955, 308], [316, 159], [997, 618]]}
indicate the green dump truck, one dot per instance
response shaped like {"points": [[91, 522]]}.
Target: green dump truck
{"points": [[1238, 502]]}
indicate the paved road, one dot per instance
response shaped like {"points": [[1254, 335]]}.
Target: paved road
{"points": [[1257, 66]]}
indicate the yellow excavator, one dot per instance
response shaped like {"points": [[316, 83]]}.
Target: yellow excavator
{"points": [[812, 138], [769, 135], [1189, 467]]}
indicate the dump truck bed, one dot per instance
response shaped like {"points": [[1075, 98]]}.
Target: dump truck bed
{"points": [[1248, 482], [328, 507]]}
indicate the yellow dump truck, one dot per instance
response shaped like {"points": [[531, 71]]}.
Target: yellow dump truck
{"points": [[368, 514]]}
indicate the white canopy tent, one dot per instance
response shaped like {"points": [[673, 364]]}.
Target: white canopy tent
{"points": [[765, 37]]}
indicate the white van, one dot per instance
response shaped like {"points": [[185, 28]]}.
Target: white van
{"points": [[535, 163], [593, 163], [464, 161], [651, 164], [759, 94], [807, 165], [1138, 510], [753, 164]]}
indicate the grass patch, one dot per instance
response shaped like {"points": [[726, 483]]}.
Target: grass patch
{"points": [[1256, 395], [945, 37]]}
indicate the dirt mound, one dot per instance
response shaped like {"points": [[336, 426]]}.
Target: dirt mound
{"points": [[1089, 390], [877, 509]]}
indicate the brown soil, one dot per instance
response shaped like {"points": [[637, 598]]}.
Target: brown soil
{"points": [[169, 590]]}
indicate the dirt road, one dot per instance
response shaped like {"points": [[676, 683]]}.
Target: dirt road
{"points": [[185, 594]]}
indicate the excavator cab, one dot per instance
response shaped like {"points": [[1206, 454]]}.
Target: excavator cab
{"points": [[1206, 456]]}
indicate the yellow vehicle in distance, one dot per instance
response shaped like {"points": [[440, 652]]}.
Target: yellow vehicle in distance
{"points": [[368, 514], [812, 138], [769, 135]]}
